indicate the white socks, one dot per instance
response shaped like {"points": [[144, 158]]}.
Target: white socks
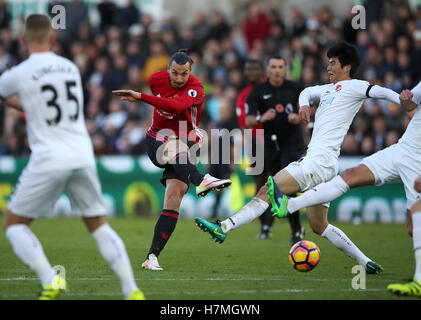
{"points": [[27, 247], [114, 252], [416, 238], [343, 243], [322, 193], [253, 209]]}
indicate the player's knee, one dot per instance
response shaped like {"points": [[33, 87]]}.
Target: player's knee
{"points": [[173, 199]]}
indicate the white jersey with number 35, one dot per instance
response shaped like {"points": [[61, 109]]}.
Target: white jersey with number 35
{"points": [[49, 88]]}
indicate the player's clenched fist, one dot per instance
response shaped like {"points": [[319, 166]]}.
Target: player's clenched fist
{"points": [[305, 114], [128, 95]]}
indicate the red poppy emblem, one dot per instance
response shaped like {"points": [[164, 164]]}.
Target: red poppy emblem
{"points": [[338, 88], [279, 107]]}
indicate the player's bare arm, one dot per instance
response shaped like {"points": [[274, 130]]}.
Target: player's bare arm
{"points": [[406, 100], [13, 102]]}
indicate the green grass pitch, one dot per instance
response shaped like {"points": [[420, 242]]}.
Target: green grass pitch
{"points": [[242, 268]]}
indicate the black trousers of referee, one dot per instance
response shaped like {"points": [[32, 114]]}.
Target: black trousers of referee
{"points": [[276, 158]]}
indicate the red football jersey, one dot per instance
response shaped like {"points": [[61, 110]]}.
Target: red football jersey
{"points": [[242, 109], [172, 105]]}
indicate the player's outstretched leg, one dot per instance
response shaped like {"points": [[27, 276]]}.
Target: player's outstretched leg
{"points": [[253, 209], [213, 228], [277, 199]]}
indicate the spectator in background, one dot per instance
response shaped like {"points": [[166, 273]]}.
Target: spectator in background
{"points": [[4, 15], [256, 25], [157, 60], [107, 10], [367, 146], [219, 28], [348, 31], [298, 22], [127, 15], [6, 60], [349, 145], [379, 132]]}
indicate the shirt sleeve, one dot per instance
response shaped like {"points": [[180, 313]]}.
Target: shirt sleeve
{"points": [[252, 103], [9, 83], [310, 93], [192, 97], [379, 92]]}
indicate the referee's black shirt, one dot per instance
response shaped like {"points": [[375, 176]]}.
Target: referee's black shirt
{"points": [[284, 99]]}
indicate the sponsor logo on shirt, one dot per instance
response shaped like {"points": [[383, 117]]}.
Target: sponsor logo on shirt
{"points": [[338, 88], [165, 114], [267, 96]]}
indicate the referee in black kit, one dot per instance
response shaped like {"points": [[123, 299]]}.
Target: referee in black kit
{"points": [[276, 102]]}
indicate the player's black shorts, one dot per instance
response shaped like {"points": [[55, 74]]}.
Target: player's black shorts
{"points": [[153, 141]]}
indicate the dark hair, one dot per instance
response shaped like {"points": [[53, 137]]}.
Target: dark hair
{"points": [[347, 54], [275, 56], [181, 57]]}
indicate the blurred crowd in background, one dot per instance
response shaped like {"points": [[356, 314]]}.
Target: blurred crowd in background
{"points": [[128, 46]]}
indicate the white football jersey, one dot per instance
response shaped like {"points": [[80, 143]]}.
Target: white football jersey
{"points": [[412, 134], [50, 91], [338, 106]]}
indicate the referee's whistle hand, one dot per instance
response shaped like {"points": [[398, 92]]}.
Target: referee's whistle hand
{"points": [[305, 114]]}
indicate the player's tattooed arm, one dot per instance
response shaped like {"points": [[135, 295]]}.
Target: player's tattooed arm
{"points": [[13, 102]]}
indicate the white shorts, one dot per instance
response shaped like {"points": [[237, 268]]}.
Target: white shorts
{"points": [[36, 193], [315, 168], [395, 164]]}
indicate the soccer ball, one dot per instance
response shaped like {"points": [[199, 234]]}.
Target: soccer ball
{"points": [[304, 256]]}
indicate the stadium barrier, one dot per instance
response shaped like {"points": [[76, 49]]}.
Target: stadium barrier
{"points": [[131, 187]]}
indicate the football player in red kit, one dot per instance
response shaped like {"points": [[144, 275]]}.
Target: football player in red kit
{"points": [[177, 99]]}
